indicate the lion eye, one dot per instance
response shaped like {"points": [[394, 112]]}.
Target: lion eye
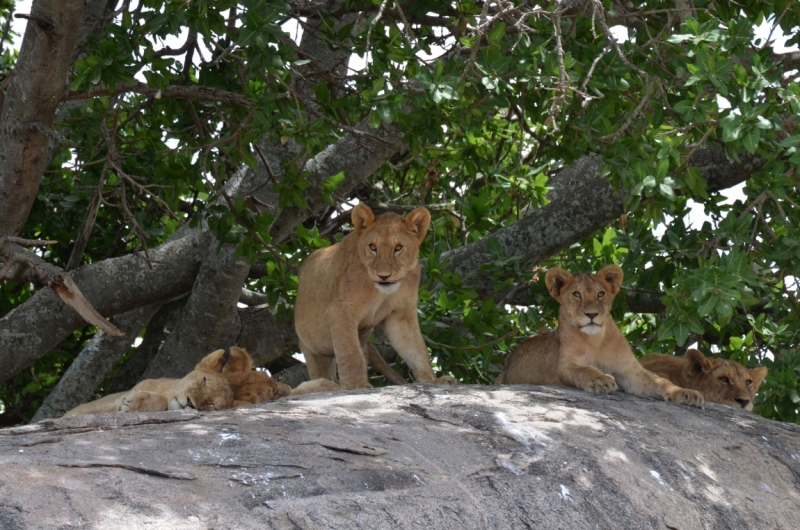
{"points": [[372, 247], [577, 295], [725, 380], [600, 295], [749, 382], [398, 248]]}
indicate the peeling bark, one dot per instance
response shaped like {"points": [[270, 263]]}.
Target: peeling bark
{"points": [[30, 104]]}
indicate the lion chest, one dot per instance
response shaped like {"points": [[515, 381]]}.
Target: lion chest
{"points": [[377, 312]]}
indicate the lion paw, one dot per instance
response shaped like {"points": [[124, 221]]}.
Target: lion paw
{"points": [[131, 402], [606, 384], [446, 380], [138, 401], [684, 396]]}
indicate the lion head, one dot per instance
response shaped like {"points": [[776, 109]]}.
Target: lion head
{"points": [[723, 380], [388, 245], [585, 299], [202, 391], [250, 386]]}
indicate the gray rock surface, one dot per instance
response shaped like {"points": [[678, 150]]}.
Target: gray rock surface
{"points": [[408, 457]]}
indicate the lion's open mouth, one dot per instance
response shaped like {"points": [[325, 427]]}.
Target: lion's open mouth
{"points": [[388, 282]]}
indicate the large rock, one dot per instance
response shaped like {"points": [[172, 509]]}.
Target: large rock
{"points": [[408, 457]]}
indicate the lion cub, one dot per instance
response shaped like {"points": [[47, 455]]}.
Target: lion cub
{"points": [[587, 351], [249, 386], [368, 278], [719, 380], [219, 381], [204, 388]]}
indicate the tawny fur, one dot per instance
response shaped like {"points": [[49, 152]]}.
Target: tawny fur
{"points": [[250, 386], [719, 380], [588, 351], [370, 277], [203, 389]]}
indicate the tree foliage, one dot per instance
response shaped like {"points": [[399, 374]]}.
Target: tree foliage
{"points": [[471, 108]]}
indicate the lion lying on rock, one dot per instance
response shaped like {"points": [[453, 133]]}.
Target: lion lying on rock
{"points": [[219, 381], [588, 351], [719, 380]]}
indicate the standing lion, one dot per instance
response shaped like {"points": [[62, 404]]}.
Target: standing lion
{"points": [[368, 278]]}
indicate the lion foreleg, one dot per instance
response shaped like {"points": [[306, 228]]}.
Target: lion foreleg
{"points": [[143, 401], [350, 358], [402, 329], [587, 378], [638, 381]]}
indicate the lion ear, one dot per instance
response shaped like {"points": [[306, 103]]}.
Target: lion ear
{"points": [[698, 363], [418, 221], [203, 384], [240, 361], [556, 279], [362, 217], [758, 375], [612, 275], [213, 362]]}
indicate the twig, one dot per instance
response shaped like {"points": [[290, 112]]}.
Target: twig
{"points": [[372, 25], [613, 137], [190, 93], [476, 46]]}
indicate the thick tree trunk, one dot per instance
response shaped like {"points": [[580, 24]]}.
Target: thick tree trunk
{"points": [[26, 118], [409, 457], [209, 314]]}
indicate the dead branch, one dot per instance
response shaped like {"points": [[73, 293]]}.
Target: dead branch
{"points": [[55, 278]]}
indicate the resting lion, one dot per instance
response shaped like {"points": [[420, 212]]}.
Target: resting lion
{"points": [[204, 388], [249, 386], [587, 351], [219, 381], [368, 278], [719, 380]]}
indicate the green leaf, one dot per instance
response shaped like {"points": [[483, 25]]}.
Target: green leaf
{"points": [[666, 191], [497, 34], [331, 183], [750, 139]]}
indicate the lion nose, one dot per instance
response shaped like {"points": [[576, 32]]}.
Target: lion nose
{"points": [[591, 315], [743, 402], [384, 278]]}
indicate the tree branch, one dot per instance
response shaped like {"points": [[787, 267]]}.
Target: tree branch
{"points": [[189, 93]]}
